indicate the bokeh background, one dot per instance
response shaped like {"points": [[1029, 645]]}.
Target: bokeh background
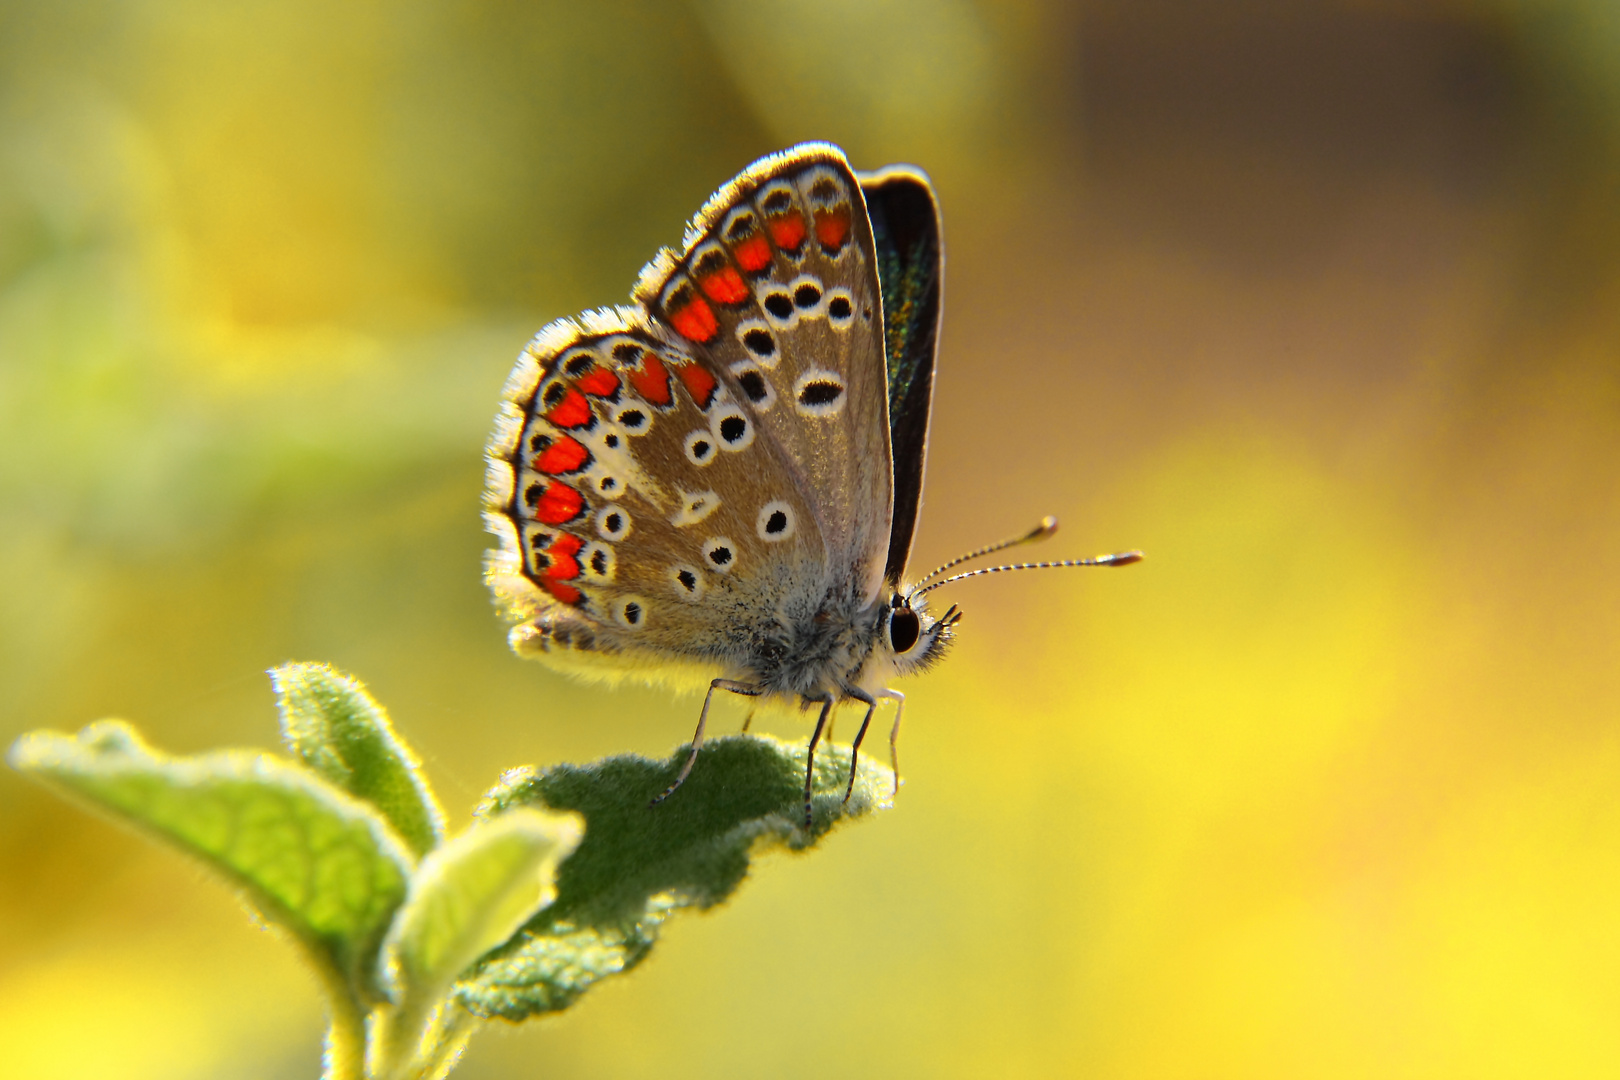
{"points": [[1318, 303]]}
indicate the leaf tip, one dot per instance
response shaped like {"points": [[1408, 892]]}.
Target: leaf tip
{"points": [[46, 750]]}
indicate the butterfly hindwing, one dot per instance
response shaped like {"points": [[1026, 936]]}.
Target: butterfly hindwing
{"points": [[616, 495]]}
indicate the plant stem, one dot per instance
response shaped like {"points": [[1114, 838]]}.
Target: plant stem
{"points": [[345, 1056], [457, 1028]]}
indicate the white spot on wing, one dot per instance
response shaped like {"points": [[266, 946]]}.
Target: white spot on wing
{"points": [[840, 299], [803, 287], [612, 523], [819, 393], [761, 344], [630, 612], [635, 418], [700, 446], [597, 561], [732, 428], [720, 554], [773, 294], [776, 522], [694, 508], [688, 582]]}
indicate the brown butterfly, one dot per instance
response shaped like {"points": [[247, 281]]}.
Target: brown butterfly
{"points": [[718, 485]]}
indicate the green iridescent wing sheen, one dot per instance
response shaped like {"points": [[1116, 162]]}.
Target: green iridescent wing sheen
{"points": [[906, 231]]}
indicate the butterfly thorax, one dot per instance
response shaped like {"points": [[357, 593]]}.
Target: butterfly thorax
{"points": [[823, 653]]}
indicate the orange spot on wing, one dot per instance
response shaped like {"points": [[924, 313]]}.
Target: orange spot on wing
{"points": [[558, 504], [563, 456], [787, 231], [753, 254], [572, 411], [724, 286], [832, 227], [563, 565], [694, 319], [651, 380], [566, 593], [698, 382], [598, 383]]}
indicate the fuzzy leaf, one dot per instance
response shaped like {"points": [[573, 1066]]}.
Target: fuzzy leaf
{"points": [[468, 896], [639, 864], [337, 728], [311, 858]]}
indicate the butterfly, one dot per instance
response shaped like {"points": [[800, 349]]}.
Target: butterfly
{"points": [[718, 484]]}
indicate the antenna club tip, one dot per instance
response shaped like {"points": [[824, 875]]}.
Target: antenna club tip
{"points": [[1124, 558], [1047, 527]]}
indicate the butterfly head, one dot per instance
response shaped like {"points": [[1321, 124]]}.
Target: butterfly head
{"points": [[914, 639]]}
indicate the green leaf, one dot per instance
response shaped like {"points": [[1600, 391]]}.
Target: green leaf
{"points": [[340, 731], [310, 857], [468, 896], [639, 864]]}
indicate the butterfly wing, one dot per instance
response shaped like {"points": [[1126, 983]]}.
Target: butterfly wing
{"points": [[626, 544], [670, 479], [906, 233], [778, 290]]}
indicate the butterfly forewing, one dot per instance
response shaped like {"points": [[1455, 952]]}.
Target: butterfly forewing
{"points": [[906, 233], [777, 291]]}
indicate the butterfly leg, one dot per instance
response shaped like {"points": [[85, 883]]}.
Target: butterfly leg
{"points": [[697, 737], [810, 758], [749, 719], [855, 750], [899, 700]]}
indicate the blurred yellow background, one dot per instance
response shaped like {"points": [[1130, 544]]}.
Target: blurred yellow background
{"points": [[1317, 303]]}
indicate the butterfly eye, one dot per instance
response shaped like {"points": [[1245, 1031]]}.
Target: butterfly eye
{"points": [[904, 629]]}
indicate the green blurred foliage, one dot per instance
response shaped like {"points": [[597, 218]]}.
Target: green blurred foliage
{"points": [[1315, 303]]}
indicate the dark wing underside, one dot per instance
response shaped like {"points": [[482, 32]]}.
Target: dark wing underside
{"points": [[906, 229]]}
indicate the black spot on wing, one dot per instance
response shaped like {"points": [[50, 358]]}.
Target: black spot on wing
{"points": [[760, 343], [820, 393]]}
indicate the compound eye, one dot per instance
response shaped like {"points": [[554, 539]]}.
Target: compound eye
{"points": [[904, 629]]}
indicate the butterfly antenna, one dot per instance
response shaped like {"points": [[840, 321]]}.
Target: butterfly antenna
{"points": [[1123, 558], [1046, 528]]}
